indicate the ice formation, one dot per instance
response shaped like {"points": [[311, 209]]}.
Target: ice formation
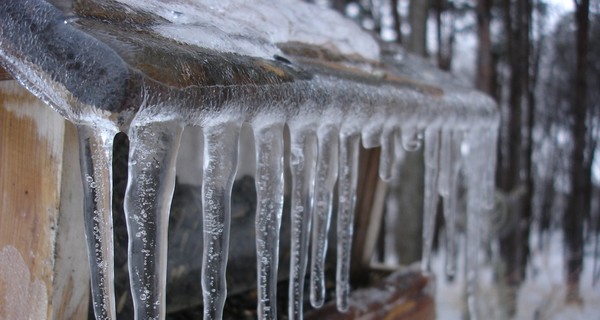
{"points": [[254, 28], [233, 66]]}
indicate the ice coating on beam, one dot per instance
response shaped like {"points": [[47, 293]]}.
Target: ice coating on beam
{"points": [[58, 63], [388, 104], [254, 28]]}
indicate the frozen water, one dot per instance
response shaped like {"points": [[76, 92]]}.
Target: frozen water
{"points": [[110, 78], [269, 208], [74, 73], [326, 176], [474, 167], [432, 158], [220, 164], [152, 155], [348, 176], [388, 154], [96, 145], [450, 161], [303, 158]]}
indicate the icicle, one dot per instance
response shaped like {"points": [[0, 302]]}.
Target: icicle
{"points": [[327, 172], [152, 155], [450, 159], [96, 149], [432, 149], [348, 175], [220, 164], [269, 207], [399, 154], [489, 163], [475, 169], [411, 139], [596, 267], [371, 133], [386, 160], [302, 165]]}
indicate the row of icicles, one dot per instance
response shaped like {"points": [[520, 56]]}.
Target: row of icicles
{"points": [[318, 158]]}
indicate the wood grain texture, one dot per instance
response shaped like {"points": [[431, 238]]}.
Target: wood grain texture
{"points": [[365, 198], [4, 75], [31, 143], [70, 292]]}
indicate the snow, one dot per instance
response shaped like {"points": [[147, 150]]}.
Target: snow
{"points": [[254, 28], [541, 296]]}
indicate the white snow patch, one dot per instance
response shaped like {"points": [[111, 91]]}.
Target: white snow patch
{"points": [[541, 296], [23, 298], [254, 27]]}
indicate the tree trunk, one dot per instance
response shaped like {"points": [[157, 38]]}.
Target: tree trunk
{"points": [[485, 67], [397, 21], [579, 199], [514, 240], [417, 41], [445, 40]]}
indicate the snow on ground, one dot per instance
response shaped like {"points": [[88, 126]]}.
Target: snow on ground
{"points": [[541, 297]]}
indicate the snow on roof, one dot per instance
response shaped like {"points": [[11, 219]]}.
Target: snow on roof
{"points": [[254, 28]]}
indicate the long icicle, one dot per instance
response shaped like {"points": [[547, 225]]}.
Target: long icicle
{"points": [[596, 267], [450, 160], [327, 172], [475, 167], [347, 184], [96, 149], [302, 165], [220, 165], [152, 153], [432, 149], [388, 154], [269, 207]]}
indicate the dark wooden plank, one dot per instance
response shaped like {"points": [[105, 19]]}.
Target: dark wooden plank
{"points": [[4, 75], [400, 296], [368, 178]]}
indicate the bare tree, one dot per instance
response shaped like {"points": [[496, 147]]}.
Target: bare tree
{"points": [[417, 41], [581, 161], [445, 32], [486, 68]]}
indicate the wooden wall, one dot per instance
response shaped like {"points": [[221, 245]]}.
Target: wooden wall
{"points": [[43, 266]]}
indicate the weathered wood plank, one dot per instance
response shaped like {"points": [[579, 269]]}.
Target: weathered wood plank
{"points": [[31, 162], [71, 276], [400, 296], [4, 74], [365, 199]]}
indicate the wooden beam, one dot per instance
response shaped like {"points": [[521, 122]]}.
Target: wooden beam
{"points": [[4, 75], [31, 163], [403, 295]]}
